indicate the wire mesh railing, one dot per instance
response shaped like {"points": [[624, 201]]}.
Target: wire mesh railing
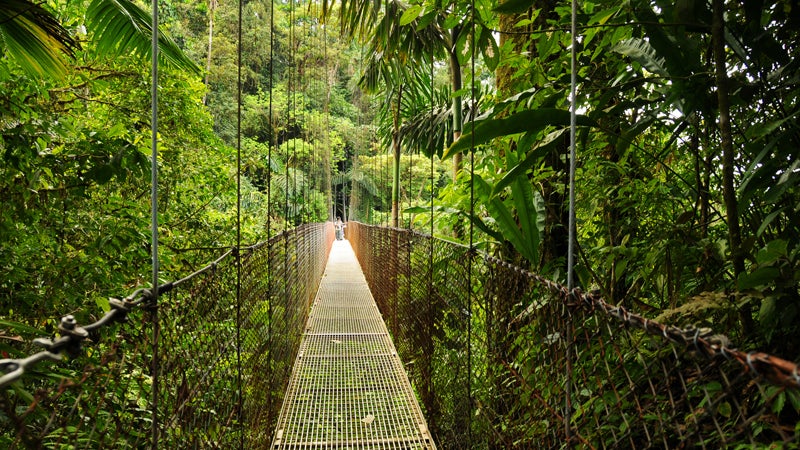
{"points": [[219, 365], [491, 367]]}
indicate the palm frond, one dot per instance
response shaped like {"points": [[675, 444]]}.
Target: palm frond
{"points": [[362, 180], [34, 38], [120, 26]]}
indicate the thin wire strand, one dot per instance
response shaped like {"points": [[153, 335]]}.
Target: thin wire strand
{"points": [[240, 400], [471, 213], [154, 218], [270, 146], [571, 233]]}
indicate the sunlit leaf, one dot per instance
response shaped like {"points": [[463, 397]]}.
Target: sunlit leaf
{"points": [[34, 38], [410, 14]]}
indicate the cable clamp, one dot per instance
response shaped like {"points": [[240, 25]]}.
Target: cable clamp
{"points": [[69, 327]]}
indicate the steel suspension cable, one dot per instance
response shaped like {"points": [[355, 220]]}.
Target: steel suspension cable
{"points": [[270, 145], [326, 109], [430, 322], [154, 218], [571, 221], [299, 114], [289, 90], [410, 185], [240, 403], [313, 169], [471, 212]]}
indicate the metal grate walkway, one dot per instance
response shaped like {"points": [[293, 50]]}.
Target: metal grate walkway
{"points": [[348, 389]]}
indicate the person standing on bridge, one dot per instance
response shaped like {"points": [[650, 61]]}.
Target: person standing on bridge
{"points": [[339, 226]]}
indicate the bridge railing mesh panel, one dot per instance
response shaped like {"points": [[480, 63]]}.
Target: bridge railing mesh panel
{"points": [[494, 369], [103, 397]]}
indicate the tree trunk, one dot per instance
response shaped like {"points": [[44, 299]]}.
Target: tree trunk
{"points": [[456, 82], [728, 155], [212, 8]]}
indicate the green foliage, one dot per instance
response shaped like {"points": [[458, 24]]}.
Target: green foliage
{"points": [[121, 26], [531, 121], [34, 38]]}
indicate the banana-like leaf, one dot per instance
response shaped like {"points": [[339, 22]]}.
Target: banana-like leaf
{"points": [[34, 38], [532, 157], [522, 197], [525, 235], [120, 26], [524, 121]]}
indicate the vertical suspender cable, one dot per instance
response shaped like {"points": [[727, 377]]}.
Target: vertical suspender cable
{"points": [[430, 318], [410, 185], [571, 234], [240, 400], [328, 154], [270, 145], [471, 212], [285, 282], [313, 166], [154, 217], [300, 114], [433, 151], [326, 160], [285, 155]]}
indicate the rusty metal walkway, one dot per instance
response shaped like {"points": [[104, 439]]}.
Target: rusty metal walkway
{"points": [[348, 389]]}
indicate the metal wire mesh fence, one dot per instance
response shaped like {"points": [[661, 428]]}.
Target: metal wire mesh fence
{"points": [[492, 350], [219, 364]]}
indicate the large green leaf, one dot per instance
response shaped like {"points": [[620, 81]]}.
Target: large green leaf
{"points": [[34, 38], [410, 14], [642, 52], [489, 49], [532, 157], [525, 121], [760, 277], [524, 201], [120, 26], [524, 235]]}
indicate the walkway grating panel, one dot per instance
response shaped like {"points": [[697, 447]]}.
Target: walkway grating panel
{"points": [[348, 388]]}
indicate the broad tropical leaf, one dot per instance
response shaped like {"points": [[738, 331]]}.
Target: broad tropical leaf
{"points": [[532, 157], [525, 121], [34, 38], [525, 236]]}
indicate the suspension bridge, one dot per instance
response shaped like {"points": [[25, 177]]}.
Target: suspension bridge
{"points": [[266, 348], [392, 339]]}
